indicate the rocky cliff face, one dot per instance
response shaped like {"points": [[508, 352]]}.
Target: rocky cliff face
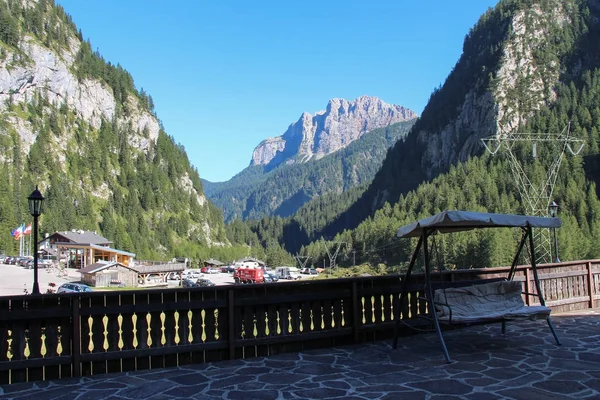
{"points": [[506, 105], [44, 73], [79, 128], [315, 136]]}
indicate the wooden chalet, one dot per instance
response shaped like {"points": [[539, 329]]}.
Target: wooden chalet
{"points": [[107, 274], [212, 263], [86, 247]]}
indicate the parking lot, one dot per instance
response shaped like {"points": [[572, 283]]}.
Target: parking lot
{"points": [[16, 279]]}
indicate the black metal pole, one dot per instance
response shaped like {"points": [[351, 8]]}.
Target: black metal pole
{"points": [[556, 260], [36, 287]]}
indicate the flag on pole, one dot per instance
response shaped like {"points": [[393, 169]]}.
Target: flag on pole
{"points": [[27, 230], [18, 232]]}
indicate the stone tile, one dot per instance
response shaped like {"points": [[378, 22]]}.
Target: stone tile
{"points": [[442, 386], [592, 357], [186, 391], [481, 382], [558, 386], [231, 381], [17, 387], [146, 390], [337, 385], [382, 388], [189, 379], [503, 373], [405, 396], [106, 385], [320, 393], [252, 371], [318, 369], [48, 394], [281, 378], [529, 393], [332, 377], [253, 395], [95, 394], [482, 396], [250, 386]]}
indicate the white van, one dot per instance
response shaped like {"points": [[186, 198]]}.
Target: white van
{"points": [[290, 273]]}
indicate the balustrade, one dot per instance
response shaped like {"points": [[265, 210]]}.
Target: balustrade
{"points": [[58, 336]]}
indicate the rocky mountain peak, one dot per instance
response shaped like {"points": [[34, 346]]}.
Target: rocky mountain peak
{"points": [[327, 131]]}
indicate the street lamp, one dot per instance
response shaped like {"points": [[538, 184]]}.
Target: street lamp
{"points": [[553, 209], [36, 201]]}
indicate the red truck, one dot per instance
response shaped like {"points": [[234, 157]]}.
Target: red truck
{"points": [[249, 275]]}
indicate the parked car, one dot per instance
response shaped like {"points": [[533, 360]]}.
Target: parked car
{"points": [[204, 270], [212, 270], [204, 282], [193, 274], [273, 277], [228, 269], [73, 288], [188, 283]]}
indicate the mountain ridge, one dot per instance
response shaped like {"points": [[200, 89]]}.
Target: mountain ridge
{"points": [[257, 191], [329, 130]]}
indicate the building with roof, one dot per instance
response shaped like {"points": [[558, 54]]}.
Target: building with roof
{"points": [[111, 273], [83, 248], [107, 274], [212, 263]]}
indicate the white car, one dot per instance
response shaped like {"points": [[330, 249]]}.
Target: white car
{"points": [[193, 275]]}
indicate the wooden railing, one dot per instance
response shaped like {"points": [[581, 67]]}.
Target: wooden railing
{"points": [[58, 336]]}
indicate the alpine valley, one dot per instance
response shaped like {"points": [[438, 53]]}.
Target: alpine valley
{"points": [[347, 176], [330, 152]]}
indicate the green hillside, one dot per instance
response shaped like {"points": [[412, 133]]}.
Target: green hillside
{"points": [[114, 175]]}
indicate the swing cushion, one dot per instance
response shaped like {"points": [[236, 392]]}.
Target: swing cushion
{"points": [[489, 301]]}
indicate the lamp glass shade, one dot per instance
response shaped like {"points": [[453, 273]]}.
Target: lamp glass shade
{"points": [[553, 209], [36, 201]]}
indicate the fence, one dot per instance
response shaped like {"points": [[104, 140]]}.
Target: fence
{"points": [[58, 336]]}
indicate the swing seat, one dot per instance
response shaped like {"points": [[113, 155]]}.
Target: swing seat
{"points": [[495, 301]]}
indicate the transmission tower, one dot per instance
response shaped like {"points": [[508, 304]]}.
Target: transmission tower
{"points": [[536, 194], [302, 261], [332, 257]]}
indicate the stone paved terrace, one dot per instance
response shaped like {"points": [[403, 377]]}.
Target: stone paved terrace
{"points": [[523, 364]]}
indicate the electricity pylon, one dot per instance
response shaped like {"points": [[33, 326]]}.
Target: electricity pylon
{"points": [[536, 194], [333, 256], [302, 261]]}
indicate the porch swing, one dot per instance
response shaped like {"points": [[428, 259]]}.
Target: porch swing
{"points": [[477, 302]]}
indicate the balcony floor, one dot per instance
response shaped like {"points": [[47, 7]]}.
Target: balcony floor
{"points": [[523, 364]]}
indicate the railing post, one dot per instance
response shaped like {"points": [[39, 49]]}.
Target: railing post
{"points": [[527, 285], [355, 311], [231, 323], [590, 285], [75, 336]]}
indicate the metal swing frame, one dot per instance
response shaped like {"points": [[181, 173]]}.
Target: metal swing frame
{"points": [[454, 221]]}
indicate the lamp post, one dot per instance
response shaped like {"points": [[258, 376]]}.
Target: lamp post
{"points": [[553, 209], [36, 201]]}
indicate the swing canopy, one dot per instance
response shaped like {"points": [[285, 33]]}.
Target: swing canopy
{"points": [[456, 221]]}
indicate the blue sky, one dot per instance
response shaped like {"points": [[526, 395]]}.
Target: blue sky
{"points": [[224, 75]]}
